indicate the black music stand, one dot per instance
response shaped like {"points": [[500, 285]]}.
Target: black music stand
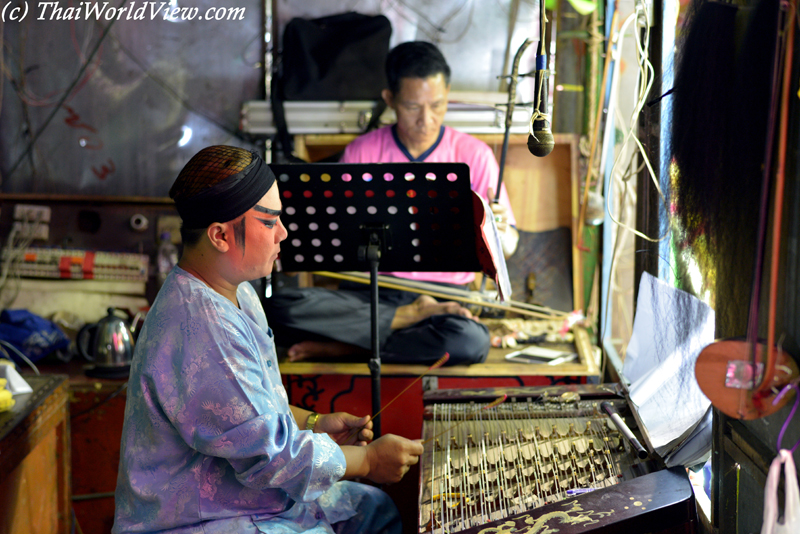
{"points": [[396, 216]]}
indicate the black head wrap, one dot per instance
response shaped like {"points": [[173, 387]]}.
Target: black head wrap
{"points": [[227, 199]]}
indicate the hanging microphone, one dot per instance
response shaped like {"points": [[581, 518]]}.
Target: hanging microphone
{"points": [[540, 137]]}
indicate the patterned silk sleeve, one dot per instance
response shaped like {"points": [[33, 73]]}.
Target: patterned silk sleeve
{"points": [[213, 371]]}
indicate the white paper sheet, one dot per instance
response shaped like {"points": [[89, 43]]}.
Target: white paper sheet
{"points": [[696, 449], [493, 239], [670, 329], [16, 384]]}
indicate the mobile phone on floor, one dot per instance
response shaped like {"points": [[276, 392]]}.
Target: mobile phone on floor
{"points": [[535, 354]]}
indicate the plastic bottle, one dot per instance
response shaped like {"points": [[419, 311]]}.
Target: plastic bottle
{"points": [[167, 257]]}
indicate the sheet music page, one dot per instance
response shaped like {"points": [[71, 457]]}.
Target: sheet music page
{"points": [[696, 448], [491, 239], [670, 329]]}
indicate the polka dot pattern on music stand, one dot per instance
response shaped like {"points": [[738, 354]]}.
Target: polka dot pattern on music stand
{"points": [[422, 208]]}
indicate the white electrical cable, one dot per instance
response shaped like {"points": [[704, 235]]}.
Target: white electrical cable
{"points": [[16, 351], [613, 105], [14, 253], [644, 84]]}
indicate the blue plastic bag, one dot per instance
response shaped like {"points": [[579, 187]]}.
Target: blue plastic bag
{"points": [[33, 336]]}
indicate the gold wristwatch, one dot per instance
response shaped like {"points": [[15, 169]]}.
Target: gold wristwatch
{"points": [[312, 421]]}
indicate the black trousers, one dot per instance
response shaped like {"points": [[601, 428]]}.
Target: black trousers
{"points": [[318, 314]]}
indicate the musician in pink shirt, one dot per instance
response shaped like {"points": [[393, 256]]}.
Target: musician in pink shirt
{"points": [[414, 329], [386, 145]]}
